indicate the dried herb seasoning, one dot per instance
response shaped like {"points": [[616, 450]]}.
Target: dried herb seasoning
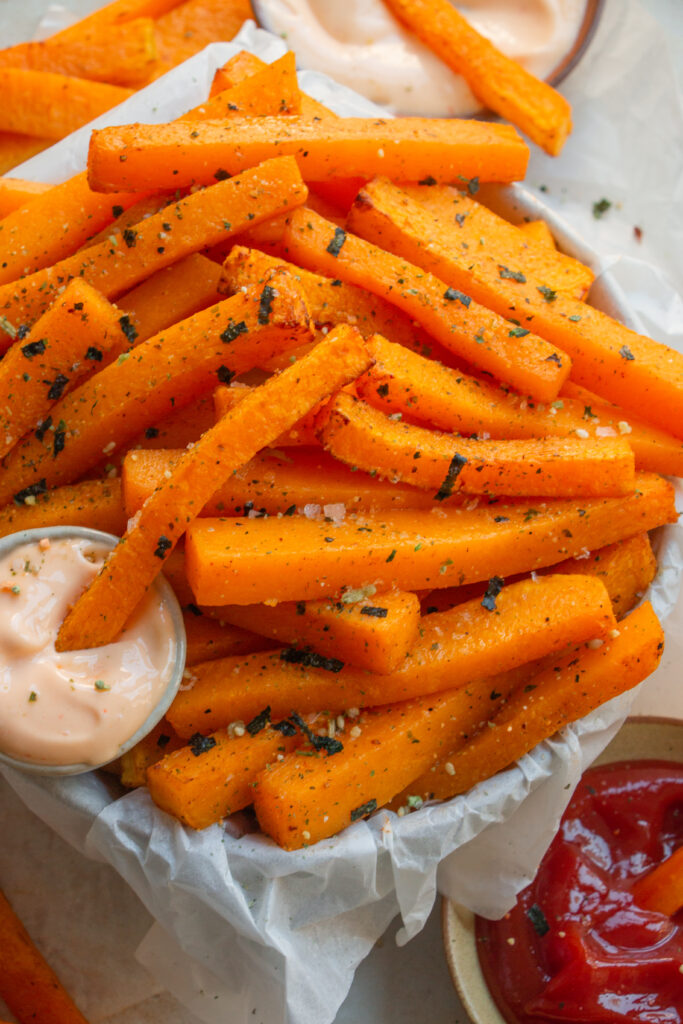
{"points": [[34, 348], [538, 919], [310, 659], [163, 545], [511, 275], [363, 810], [454, 470], [94, 353], [334, 247], [495, 585], [32, 491], [265, 304], [233, 331], [57, 387], [374, 612], [259, 722], [199, 744], [453, 295]]}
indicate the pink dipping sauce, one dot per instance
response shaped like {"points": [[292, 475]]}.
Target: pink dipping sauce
{"points": [[76, 707]]}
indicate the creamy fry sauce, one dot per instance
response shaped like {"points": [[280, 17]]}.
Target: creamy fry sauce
{"points": [[79, 706], [360, 44]]}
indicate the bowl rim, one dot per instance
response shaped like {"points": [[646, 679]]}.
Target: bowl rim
{"points": [[644, 736], [165, 593]]}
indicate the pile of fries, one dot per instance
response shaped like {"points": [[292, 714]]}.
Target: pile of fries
{"points": [[399, 473]]}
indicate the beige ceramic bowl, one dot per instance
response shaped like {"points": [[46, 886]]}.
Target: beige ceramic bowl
{"points": [[643, 738]]}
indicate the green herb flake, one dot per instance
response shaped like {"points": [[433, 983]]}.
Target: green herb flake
{"points": [[518, 332], [454, 470], [334, 247], [625, 353], [363, 810], [601, 207], [32, 697], [511, 275], [101, 685], [538, 919], [453, 295], [548, 293]]}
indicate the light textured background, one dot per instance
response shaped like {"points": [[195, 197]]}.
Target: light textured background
{"points": [[58, 893]]}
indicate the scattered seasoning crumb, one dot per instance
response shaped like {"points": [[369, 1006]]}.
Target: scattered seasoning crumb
{"points": [[360, 812], [305, 835], [625, 353], [34, 348], [265, 304], [601, 207], [511, 275], [310, 659], [548, 293], [94, 353], [355, 732], [259, 722], [453, 295], [233, 331], [446, 489], [334, 247], [495, 585], [101, 685], [32, 697], [377, 613], [163, 545], [201, 744], [538, 920]]}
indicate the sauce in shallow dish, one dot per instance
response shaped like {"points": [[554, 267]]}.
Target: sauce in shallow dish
{"points": [[76, 707]]}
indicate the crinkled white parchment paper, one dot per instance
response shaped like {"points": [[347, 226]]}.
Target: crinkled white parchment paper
{"points": [[246, 931]]}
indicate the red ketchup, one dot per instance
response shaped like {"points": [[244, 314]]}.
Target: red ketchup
{"points": [[576, 947]]}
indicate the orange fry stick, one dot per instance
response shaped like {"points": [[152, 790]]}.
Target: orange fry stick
{"points": [[29, 986], [627, 568], [162, 740], [209, 638], [549, 700], [404, 382], [117, 54], [67, 343], [409, 549], [29, 239], [302, 433], [245, 65], [93, 503], [180, 154], [188, 27], [499, 82], [50, 105], [661, 889], [273, 484], [539, 232], [214, 777], [374, 633], [272, 91], [163, 374], [633, 371], [172, 294], [180, 428], [202, 219], [555, 467], [472, 332], [15, 148], [101, 612], [331, 301], [530, 620], [15, 193]]}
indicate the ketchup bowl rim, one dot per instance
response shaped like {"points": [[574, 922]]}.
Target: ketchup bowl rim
{"points": [[165, 593], [641, 738]]}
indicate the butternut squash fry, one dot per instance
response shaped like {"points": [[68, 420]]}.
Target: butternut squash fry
{"points": [[637, 373], [113, 231], [558, 695], [215, 776], [361, 436], [494, 242], [16, 148], [409, 549], [421, 389], [66, 344], [471, 331], [117, 54], [28, 984], [180, 154], [116, 13], [96, 504], [302, 433], [301, 800], [50, 105], [158, 743], [245, 65], [15, 193], [163, 374], [275, 483], [627, 568], [272, 91], [469, 642], [101, 612], [32, 238], [172, 294], [661, 889], [189, 27], [331, 300], [375, 632], [209, 638], [499, 82], [539, 232], [201, 219]]}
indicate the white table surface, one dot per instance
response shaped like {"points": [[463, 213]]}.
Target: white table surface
{"points": [[408, 984]]}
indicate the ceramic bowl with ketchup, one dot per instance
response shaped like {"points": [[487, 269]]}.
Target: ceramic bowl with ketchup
{"points": [[598, 935], [64, 713]]}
